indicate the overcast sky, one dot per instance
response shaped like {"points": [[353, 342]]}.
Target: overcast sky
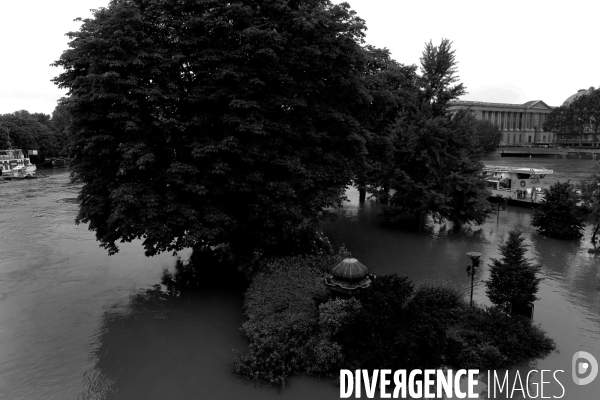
{"points": [[509, 51]]}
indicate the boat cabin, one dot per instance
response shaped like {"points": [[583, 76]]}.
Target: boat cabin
{"points": [[516, 182], [13, 158]]}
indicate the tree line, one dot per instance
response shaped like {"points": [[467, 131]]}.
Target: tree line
{"points": [[238, 124], [36, 131], [577, 119]]}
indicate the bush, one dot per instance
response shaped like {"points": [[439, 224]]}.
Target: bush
{"points": [[296, 326], [282, 305], [558, 214], [487, 338], [375, 337]]}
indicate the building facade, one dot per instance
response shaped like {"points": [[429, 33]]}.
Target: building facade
{"points": [[521, 124]]}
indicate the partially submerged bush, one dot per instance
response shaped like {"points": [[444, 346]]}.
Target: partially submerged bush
{"points": [[282, 305], [296, 326], [487, 338]]}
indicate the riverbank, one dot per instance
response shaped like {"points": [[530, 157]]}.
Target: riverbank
{"points": [[553, 152]]}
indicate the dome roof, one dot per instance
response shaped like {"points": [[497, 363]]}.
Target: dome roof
{"points": [[350, 270], [574, 97], [349, 277]]}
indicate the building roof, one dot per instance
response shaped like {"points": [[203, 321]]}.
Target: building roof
{"points": [[534, 104], [575, 96]]}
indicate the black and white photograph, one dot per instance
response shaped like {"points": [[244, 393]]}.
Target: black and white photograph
{"points": [[299, 200]]}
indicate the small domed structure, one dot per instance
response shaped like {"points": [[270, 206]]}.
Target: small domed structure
{"points": [[349, 277], [574, 97]]}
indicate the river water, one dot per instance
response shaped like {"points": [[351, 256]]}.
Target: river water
{"points": [[78, 324]]}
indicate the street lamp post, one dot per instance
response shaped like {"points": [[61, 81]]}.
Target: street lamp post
{"points": [[472, 269], [502, 202]]}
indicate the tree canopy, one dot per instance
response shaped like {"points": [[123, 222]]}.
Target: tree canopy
{"points": [[513, 279], [558, 215], [214, 123], [435, 166], [29, 131], [578, 118], [590, 200], [487, 135]]}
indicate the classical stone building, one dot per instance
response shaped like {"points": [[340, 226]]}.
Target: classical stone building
{"points": [[520, 124]]}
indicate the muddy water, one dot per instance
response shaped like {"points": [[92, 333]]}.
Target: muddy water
{"points": [[78, 324]]}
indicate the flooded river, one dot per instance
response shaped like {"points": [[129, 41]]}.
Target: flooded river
{"points": [[78, 324]]}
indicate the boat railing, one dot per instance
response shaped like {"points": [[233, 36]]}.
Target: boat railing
{"points": [[499, 168]]}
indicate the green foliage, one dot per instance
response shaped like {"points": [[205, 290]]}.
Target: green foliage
{"points": [[435, 168], [294, 327], [438, 171], [513, 279], [376, 337], [487, 135], [487, 338], [391, 87], [573, 119], [558, 215], [32, 132], [590, 200], [288, 325], [210, 123]]}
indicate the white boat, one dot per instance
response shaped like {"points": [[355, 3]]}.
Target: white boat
{"points": [[518, 184], [14, 165]]}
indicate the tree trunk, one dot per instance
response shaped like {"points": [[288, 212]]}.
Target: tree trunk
{"points": [[384, 195], [362, 194], [594, 234]]}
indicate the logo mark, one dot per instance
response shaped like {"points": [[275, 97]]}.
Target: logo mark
{"points": [[582, 367]]}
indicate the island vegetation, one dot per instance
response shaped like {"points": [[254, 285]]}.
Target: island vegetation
{"points": [[234, 127], [296, 325], [239, 125], [559, 215]]}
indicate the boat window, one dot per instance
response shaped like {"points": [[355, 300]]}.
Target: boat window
{"points": [[523, 176]]}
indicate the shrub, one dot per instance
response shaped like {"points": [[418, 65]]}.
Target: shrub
{"points": [[558, 214], [282, 306], [296, 326], [376, 337], [487, 338], [513, 280]]}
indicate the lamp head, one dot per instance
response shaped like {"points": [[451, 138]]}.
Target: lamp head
{"points": [[473, 255]]}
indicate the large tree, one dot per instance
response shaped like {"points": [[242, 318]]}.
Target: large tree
{"points": [[212, 123], [557, 122], [436, 168], [391, 87], [578, 118]]}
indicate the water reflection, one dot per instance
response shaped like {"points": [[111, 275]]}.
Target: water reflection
{"points": [[77, 324], [569, 305], [177, 340]]}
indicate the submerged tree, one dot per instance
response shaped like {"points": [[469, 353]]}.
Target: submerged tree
{"points": [[487, 135], [513, 280], [391, 87], [211, 123], [436, 168], [558, 215], [590, 198]]}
